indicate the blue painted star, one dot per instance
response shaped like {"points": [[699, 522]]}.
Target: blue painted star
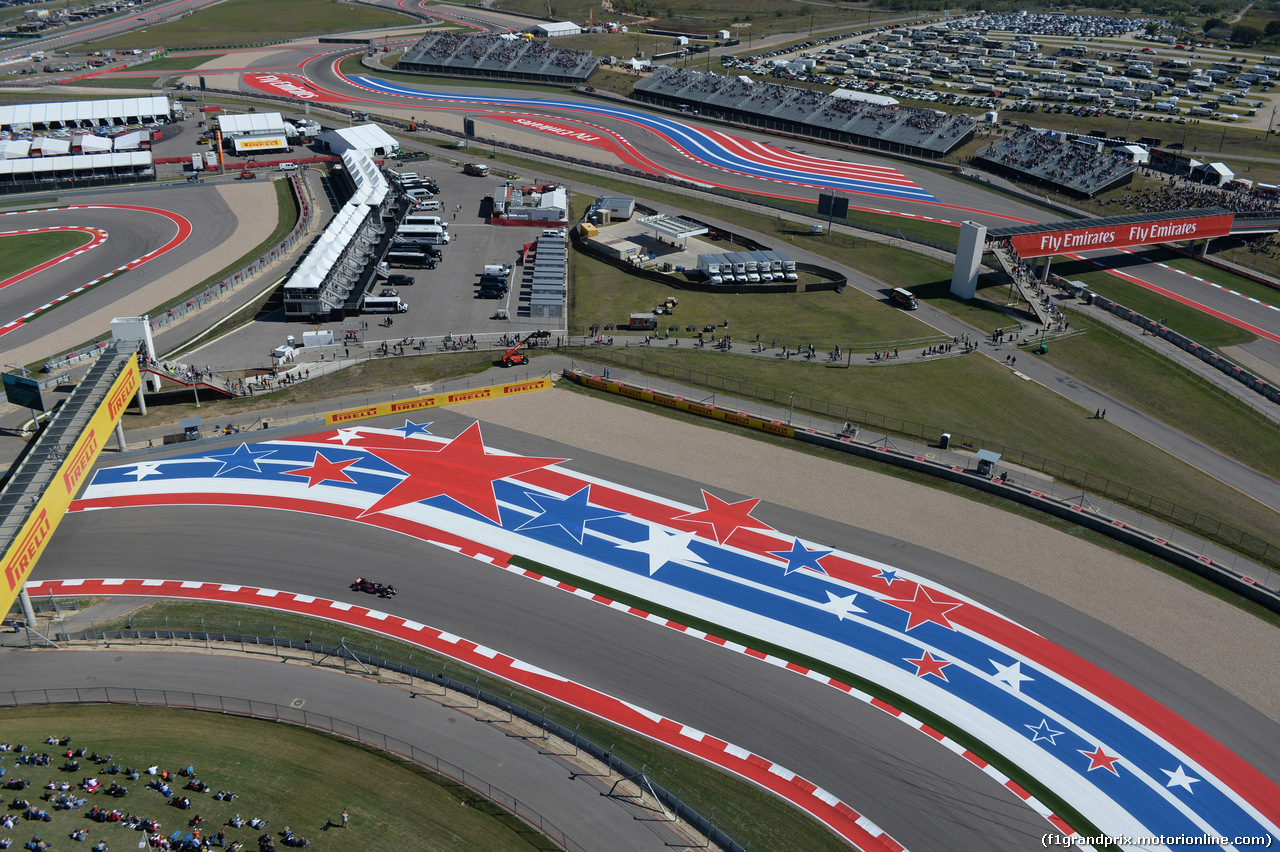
{"points": [[410, 428], [800, 556], [888, 575], [1043, 732], [571, 514], [241, 458]]}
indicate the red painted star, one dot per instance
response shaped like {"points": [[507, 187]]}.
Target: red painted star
{"points": [[929, 665], [724, 518], [1099, 759], [460, 470], [324, 470], [924, 608]]}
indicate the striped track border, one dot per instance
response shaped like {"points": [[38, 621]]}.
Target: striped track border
{"points": [[1035, 804], [804, 794]]}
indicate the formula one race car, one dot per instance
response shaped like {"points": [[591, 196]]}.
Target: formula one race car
{"points": [[363, 585]]}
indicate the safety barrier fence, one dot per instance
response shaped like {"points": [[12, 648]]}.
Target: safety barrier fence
{"points": [[1213, 359], [306, 211], [671, 802], [1067, 480]]}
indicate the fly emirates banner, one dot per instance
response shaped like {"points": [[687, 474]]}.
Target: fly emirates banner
{"points": [[1119, 236]]}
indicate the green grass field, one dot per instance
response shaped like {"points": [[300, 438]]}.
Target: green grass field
{"points": [[981, 399], [1185, 319], [21, 252], [237, 22], [747, 813], [288, 776]]}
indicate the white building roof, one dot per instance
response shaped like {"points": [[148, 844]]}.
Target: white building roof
{"points": [[851, 95], [108, 110], [90, 144], [252, 124], [369, 138], [556, 28], [76, 162]]}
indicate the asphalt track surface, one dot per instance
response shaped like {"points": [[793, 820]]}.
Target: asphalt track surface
{"points": [[921, 794], [916, 791], [131, 234], [573, 801]]}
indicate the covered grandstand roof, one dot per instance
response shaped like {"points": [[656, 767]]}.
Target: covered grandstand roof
{"points": [[370, 139], [870, 97], [82, 111], [252, 124]]}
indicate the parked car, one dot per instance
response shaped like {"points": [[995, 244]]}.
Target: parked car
{"points": [[388, 291], [399, 280]]}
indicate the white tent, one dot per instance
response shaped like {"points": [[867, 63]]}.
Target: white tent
{"points": [[90, 144], [368, 138], [556, 28], [129, 141]]}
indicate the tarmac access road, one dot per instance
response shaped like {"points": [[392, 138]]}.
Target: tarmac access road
{"points": [[575, 802]]}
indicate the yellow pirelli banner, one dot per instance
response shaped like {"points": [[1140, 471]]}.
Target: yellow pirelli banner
{"points": [[53, 503], [406, 406], [738, 418]]}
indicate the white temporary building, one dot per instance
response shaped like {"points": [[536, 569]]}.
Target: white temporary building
{"points": [[90, 144], [369, 139], [82, 113], [32, 169], [556, 28], [252, 124]]}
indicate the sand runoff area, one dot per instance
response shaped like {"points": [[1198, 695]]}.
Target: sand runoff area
{"points": [[1212, 638]]}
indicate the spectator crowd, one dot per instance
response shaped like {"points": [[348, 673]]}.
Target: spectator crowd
{"points": [[754, 100], [1050, 157]]}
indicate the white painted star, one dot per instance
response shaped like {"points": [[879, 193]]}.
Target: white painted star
{"points": [[1180, 778], [144, 469], [345, 435], [841, 608], [663, 547], [1011, 675]]}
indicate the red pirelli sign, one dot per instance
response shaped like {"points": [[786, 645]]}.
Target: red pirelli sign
{"points": [[1120, 236]]}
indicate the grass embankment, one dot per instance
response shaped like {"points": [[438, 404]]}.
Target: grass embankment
{"points": [[21, 252], [982, 400], [1201, 327], [747, 813], [237, 22], [365, 378], [288, 776]]}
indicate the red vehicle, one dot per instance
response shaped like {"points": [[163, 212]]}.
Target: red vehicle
{"points": [[514, 357]]}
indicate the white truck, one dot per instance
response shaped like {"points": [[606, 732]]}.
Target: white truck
{"points": [[709, 265], [384, 305]]}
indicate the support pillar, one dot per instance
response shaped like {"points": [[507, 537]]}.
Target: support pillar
{"points": [[1204, 248], [142, 398], [120, 436], [964, 278], [28, 613], [1044, 276]]}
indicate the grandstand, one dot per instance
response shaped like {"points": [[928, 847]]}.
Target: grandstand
{"points": [[1049, 157], [771, 106], [498, 57]]}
